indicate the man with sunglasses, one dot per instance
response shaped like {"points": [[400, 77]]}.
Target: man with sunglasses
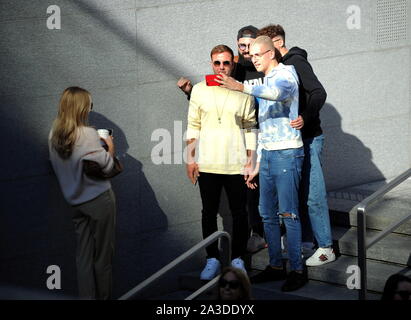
{"points": [[245, 72], [280, 157], [313, 194], [222, 123]]}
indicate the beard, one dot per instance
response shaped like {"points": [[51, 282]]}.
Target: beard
{"points": [[243, 61]]}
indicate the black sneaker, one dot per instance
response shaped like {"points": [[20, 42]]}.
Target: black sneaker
{"points": [[294, 281], [269, 274]]}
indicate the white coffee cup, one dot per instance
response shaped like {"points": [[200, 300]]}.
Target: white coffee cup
{"points": [[104, 133]]}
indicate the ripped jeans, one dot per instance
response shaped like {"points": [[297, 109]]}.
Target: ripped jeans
{"points": [[280, 175]]}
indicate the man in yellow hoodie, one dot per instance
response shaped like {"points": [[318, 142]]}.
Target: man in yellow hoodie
{"points": [[221, 139]]}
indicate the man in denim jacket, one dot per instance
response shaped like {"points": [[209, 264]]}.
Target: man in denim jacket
{"points": [[280, 157]]}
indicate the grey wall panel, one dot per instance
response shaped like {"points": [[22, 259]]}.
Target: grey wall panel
{"points": [[90, 49], [161, 114], [25, 125], [190, 52], [26, 9], [363, 90], [142, 4], [366, 85], [176, 196], [358, 156]]}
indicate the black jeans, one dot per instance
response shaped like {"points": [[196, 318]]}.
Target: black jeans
{"points": [[254, 219], [210, 189]]}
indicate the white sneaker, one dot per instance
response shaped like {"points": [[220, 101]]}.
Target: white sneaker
{"points": [[239, 264], [255, 243], [320, 257], [211, 270]]}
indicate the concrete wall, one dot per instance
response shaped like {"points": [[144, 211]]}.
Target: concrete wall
{"points": [[129, 54]]}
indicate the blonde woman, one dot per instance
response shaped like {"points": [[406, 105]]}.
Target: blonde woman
{"points": [[71, 141], [234, 285]]}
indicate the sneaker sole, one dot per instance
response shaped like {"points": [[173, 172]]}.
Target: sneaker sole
{"points": [[316, 264]]}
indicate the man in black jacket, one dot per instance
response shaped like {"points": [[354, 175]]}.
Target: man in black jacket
{"points": [[244, 72], [313, 190]]}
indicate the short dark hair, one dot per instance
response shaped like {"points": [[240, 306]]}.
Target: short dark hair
{"points": [[272, 30], [220, 49], [247, 32]]}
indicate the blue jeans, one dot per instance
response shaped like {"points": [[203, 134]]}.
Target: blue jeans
{"points": [[314, 195], [280, 175]]}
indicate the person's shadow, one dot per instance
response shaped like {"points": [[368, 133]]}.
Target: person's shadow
{"points": [[138, 211], [347, 166], [347, 161]]}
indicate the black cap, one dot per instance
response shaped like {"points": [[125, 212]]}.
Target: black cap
{"points": [[247, 32]]}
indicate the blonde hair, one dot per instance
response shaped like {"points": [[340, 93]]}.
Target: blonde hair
{"points": [[242, 277], [74, 107], [263, 40]]}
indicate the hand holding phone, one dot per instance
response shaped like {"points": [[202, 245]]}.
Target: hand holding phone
{"points": [[210, 80]]}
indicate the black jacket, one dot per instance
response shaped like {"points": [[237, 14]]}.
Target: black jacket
{"points": [[245, 71], [312, 93]]}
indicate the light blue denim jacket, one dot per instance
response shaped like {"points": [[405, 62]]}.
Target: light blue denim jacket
{"points": [[278, 105]]}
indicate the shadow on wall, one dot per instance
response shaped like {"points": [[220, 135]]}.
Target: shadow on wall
{"points": [[36, 227], [170, 65], [138, 211], [35, 222], [346, 160]]}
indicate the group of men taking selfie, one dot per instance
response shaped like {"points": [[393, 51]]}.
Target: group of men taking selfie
{"points": [[273, 180]]}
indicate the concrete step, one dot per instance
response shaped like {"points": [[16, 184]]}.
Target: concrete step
{"points": [[393, 206], [336, 272], [394, 248], [378, 217], [377, 272], [313, 290]]}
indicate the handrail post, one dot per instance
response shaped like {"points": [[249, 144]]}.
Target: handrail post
{"points": [[362, 245], [225, 243], [362, 252]]}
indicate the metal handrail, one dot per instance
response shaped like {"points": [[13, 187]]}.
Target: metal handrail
{"points": [[204, 288], [362, 243], [226, 258]]}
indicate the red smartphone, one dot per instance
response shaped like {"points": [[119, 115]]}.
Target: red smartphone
{"points": [[210, 80]]}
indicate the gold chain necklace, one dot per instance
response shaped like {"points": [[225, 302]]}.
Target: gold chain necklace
{"points": [[222, 111]]}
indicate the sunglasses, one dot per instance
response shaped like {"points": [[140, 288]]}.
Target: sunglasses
{"points": [[405, 295], [234, 284], [243, 46], [226, 63]]}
